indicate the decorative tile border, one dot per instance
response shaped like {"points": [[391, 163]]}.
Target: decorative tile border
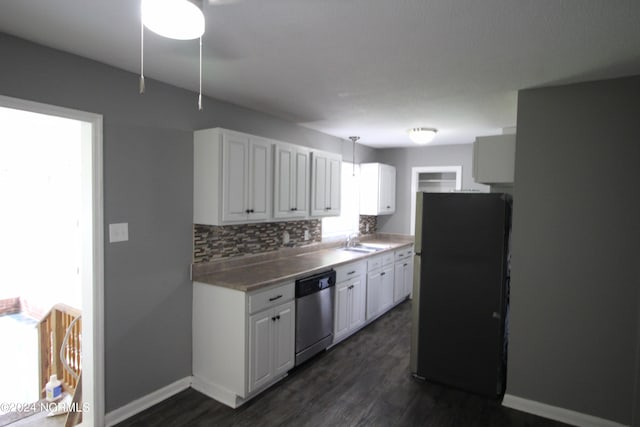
{"points": [[371, 221], [211, 242]]}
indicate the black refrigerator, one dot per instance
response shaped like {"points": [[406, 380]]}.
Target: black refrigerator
{"points": [[460, 290]]}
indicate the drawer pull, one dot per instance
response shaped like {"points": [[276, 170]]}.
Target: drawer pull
{"points": [[351, 272], [350, 287], [383, 273], [275, 298], [405, 264]]}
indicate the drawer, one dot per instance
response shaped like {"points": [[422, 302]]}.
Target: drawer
{"points": [[348, 271], [404, 253], [387, 258], [270, 297], [374, 262]]}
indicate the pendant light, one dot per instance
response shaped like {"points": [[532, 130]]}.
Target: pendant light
{"points": [[173, 19], [353, 146]]}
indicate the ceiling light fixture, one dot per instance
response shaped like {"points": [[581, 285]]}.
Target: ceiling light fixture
{"points": [[422, 135], [173, 19]]}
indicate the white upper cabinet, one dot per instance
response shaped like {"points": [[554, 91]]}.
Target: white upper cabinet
{"points": [[377, 189], [232, 177], [292, 181], [325, 183], [494, 159]]}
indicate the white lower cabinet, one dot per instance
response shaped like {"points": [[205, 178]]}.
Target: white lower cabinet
{"points": [[271, 344], [379, 285], [242, 341], [350, 300], [403, 274]]}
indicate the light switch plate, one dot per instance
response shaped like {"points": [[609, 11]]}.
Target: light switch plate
{"points": [[119, 232]]}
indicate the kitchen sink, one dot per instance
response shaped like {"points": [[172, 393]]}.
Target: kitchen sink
{"points": [[367, 249]]}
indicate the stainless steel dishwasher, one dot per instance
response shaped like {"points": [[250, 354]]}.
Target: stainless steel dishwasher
{"points": [[314, 314]]}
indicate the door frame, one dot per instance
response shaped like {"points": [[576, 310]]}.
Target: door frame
{"points": [[93, 265], [415, 175]]}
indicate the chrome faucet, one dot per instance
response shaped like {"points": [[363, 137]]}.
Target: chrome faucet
{"points": [[353, 239]]}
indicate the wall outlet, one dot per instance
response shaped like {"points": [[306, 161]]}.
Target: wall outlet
{"points": [[306, 235], [119, 232], [285, 238]]}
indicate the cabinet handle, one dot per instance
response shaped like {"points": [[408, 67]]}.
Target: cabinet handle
{"points": [[278, 317], [248, 211], [405, 264], [388, 207], [295, 209], [350, 287], [351, 272], [273, 319], [383, 273], [275, 298], [251, 211]]}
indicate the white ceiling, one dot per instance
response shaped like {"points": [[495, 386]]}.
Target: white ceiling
{"points": [[372, 68]]}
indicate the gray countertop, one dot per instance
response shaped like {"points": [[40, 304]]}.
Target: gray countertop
{"points": [[256, 273]]}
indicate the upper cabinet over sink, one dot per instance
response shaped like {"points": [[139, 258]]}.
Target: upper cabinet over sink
{"points": [[494, 159], [232, 177], [377, 189]]}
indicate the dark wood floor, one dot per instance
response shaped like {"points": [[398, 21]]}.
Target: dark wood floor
{"points": [[363, 381]]}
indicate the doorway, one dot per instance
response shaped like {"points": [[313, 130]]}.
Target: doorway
{"points": [[433, 179], [44, 230]]}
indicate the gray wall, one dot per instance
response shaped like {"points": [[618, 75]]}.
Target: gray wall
{"points": [[406, 158], [148, 169], [576, 258]]}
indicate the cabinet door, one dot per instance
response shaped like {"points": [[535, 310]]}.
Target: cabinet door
{"points": [[319, 203], [235, 168], [259, 202], [301, 185], [386, 288], [408, 277], [357, 304], [387, 189], [284, 181], [334, 175], [341, 318], [291, 191], [374, 282], [399, 281], [260, 349], [283, 338]]}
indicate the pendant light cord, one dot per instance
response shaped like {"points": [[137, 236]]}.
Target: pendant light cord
{"points": [[353, 146], [200, 93], [141, 57]]}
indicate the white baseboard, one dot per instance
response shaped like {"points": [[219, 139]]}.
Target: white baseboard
{"points": [[556, 413], [216, 392], [122, 413]]}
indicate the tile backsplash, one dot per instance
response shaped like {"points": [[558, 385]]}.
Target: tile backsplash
{"points": [[211, 242], [371, 221]]}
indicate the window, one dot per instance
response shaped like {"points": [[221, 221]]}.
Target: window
{"points": [[349, 219]]}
